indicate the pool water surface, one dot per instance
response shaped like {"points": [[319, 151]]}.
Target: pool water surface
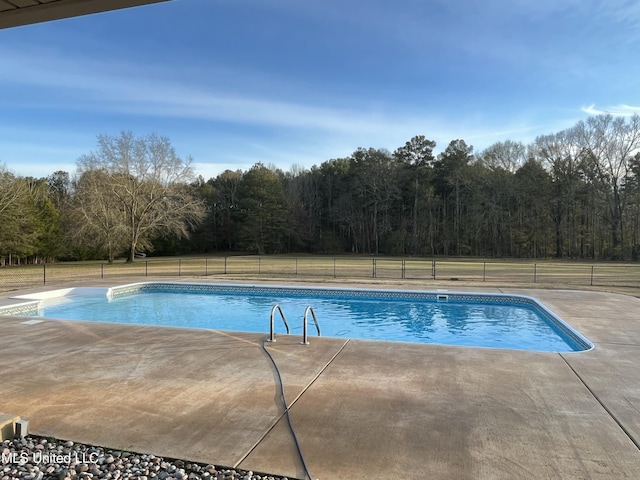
{"points": [[494, 321]]}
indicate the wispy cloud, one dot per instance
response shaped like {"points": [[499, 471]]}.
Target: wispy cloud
{"points": [[626, 13], [310, 128], [125, 89], [120, 88], [240, 112], [616, 110]]}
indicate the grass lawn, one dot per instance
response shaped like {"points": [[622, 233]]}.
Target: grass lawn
{"points": [[428, 272]]}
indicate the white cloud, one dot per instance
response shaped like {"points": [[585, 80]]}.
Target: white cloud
{"points": [[625, 12], [304, 127], [126, 89], [616, 110]]}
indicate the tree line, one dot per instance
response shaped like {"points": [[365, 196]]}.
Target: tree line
{"points": [[571, 194]]}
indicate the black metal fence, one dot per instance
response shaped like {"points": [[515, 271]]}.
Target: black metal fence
{"points": [[505, 273]]}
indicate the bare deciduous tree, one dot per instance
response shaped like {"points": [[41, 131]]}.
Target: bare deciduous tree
{"points": [[610, 143], [139, 188], [508, 155], [97, 215], [10, 190], [17, 229]]}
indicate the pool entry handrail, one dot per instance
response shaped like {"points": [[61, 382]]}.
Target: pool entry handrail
{"points": [[308, 310], [272, 331]]}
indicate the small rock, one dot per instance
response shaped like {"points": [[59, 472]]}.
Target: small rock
{"points": [[211, 469], [95, 463]]}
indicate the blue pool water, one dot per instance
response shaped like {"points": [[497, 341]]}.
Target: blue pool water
{"points": [[495, 321]]}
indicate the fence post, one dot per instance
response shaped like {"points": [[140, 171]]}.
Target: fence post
{"points": [[146, 268], [225, 265], [484, 271], [591, 275], [404, 269], [102, 271], [374, 268], [433, 269], [44, 273], [206, 267], [296, 266], [179, 267], [259, 265], [535, 272]]}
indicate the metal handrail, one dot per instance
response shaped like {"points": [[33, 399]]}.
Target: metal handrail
{"points": [[272, 332], [304, 324]]}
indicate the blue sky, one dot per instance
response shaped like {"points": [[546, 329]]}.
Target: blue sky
{"points": [[284, 82]]}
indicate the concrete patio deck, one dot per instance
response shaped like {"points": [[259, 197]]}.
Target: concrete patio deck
{"points": [[361, 409]]}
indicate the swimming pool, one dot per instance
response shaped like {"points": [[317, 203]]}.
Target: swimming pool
{"points": [[481, 320]]}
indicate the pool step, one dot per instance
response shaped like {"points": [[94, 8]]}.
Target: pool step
{"points": [[8, 426]]}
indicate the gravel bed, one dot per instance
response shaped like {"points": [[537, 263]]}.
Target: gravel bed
{"points": [[39, 458]]}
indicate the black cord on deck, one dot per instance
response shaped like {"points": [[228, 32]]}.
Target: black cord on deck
{"points": [[286, 409]]}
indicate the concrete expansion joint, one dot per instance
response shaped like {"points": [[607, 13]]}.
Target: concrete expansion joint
{"points": [[609, 412], [313, 380], [287, 406]]}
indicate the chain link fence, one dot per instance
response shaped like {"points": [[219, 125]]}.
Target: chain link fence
{"points": [[501, 273]]}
